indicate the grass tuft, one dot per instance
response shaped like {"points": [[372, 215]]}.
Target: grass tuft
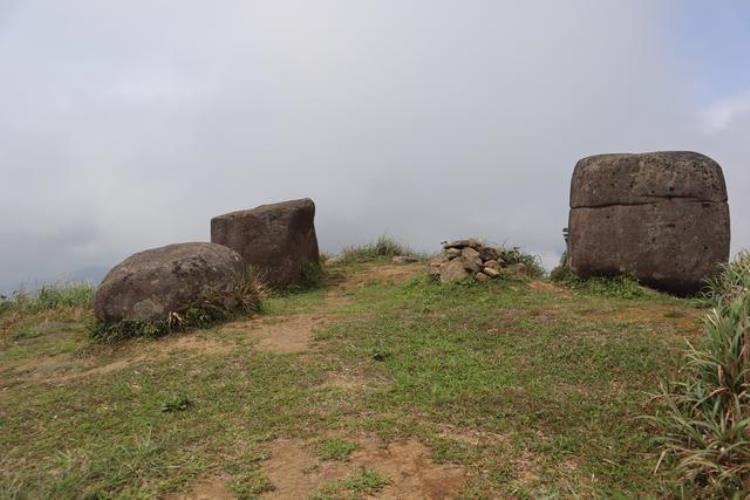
{"points": [[365, 482], [385, 247], [704, 418], [335, 449], [177, 403], [618, 286]]}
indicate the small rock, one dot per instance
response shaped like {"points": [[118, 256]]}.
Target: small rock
{"points": [[453, 271], [492, 273], [488, 253], [482, 278], [332, 261], [452, 253], [404, 259], [473, 265], [469, 253], [438, 261], [493, 264], [521, 269]]}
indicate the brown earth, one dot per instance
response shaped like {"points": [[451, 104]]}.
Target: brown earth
{"points": [[296, 471]]}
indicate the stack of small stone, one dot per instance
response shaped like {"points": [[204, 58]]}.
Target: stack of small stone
{"points": [[462, 259]]}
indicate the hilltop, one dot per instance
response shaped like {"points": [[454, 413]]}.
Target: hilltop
{"points": [[379, 382]]}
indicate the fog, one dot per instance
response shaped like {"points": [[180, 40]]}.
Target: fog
{"points": [[128, 125]]}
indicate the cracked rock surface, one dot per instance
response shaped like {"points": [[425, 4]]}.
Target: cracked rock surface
{"points": [[661, 217]]}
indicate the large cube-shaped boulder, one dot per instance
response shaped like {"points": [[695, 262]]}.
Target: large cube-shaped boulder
{"points": [[661, 217], [277, 240]]}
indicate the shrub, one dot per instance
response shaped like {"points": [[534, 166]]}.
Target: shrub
{"points": [[384, 247], [704, 419]]}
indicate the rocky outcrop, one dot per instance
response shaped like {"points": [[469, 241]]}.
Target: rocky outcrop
{"points": [[661, 217], [150, 285], [278, 240], [464, 259]]}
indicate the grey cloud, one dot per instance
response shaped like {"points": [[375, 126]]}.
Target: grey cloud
{"points": [[425, 120]]}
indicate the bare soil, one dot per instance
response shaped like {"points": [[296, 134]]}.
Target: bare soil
{"points": [[296, 472]]}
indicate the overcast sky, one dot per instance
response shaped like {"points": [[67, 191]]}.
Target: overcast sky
{"points": [[128, 124]]}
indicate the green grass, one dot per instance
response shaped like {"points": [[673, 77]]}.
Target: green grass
{"points": [[560, 378], [609, 286], [49, 298], [365, 482], [384, 248], [335, 449]]}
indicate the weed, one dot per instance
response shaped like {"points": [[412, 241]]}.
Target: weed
{"points": [[335, 449], [176, 403], [703, 418]]}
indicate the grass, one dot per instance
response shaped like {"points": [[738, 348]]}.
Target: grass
{"points": [[336, 449], [703, 418], [559, 380], [365, 482], [384, 248], [622, 286], [49, 298]]}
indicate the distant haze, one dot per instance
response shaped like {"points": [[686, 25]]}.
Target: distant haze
{"points": [[126, 125]]}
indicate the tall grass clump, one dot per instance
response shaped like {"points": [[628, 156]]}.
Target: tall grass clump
{"points": [[704, 418], [385, 247], [49, 297]]}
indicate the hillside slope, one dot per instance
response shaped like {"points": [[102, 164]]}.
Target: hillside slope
{"points": [[381, 383]]}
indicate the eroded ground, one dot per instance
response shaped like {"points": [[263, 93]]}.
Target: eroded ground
{"points": [[515, 388]]}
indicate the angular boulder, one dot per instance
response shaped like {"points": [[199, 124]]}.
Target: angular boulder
{"points": [[661, 217], [453, 271], [149, 285], [278, 240]]}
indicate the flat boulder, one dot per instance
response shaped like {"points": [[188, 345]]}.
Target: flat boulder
{"points": [[149, 285], [278, 240], [661, 217]]}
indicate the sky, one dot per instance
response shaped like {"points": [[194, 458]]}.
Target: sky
{"points": [[127, 125]]}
